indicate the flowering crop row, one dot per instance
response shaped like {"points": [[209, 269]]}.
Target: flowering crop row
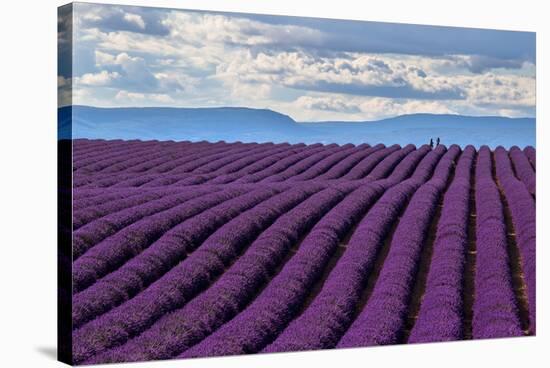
{"points": [[185, 249]]}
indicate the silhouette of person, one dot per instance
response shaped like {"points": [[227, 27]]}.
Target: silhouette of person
{"points": [[431, 143], [437, 141]]}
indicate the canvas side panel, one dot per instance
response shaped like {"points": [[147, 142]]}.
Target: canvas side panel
{"points": [[64, 184]]}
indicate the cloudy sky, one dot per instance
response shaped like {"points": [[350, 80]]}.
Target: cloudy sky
{"points": [[310, 69]]}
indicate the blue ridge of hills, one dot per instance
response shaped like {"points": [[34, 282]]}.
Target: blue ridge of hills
{"points": [[232, 124]]}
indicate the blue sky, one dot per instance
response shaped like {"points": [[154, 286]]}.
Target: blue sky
{"points": [[311, 69]]}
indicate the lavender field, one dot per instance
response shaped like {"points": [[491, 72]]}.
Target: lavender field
{"points": [[200, 249]]}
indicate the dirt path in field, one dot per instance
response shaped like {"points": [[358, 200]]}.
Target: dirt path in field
{"points": [[423, 269], [514, 257], [377, 267], [318, 286], [468, 288]]}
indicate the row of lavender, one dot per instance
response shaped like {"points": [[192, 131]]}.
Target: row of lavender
{"points": [[294, 247], [152, 164]]}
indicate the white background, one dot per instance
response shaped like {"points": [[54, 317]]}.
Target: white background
{"points": [[28, 179]]}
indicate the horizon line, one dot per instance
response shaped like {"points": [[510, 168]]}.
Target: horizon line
{"points": [[289, 116]]}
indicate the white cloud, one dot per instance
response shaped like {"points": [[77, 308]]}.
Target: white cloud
{"points": [[128, 62], [368, 73], [62, 81], [64, 91], [123, 59], [500, 89], [133, 69], [91, 16], [193, 28], [212, 59], [341, 107], [376, 108], [126, 96], [103, 58], [97, 79], [202, 39], [175, 82], [135, 19], [356, 73], [327, 104]]}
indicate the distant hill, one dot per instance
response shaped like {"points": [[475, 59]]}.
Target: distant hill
{"points": [[419, 128], [263, 125], [195, 124]]}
